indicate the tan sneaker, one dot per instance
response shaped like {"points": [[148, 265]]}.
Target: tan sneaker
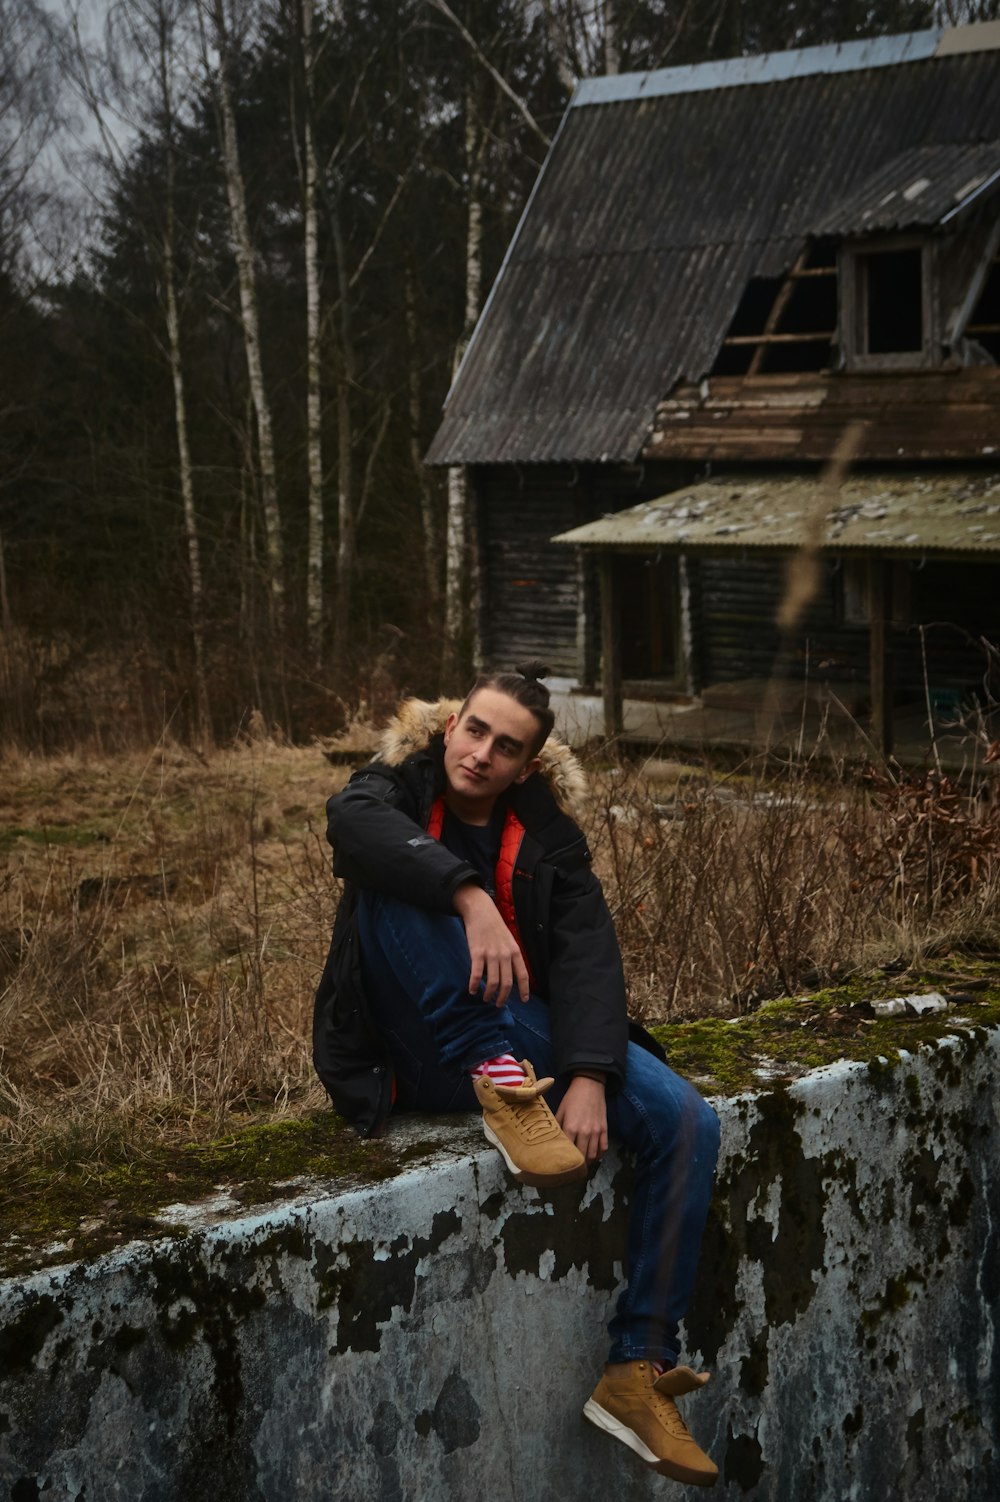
{"points": [[636, 1406], [519, 1123]]}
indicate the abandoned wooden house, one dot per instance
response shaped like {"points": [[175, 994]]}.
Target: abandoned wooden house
{"points": [[721, 271]]}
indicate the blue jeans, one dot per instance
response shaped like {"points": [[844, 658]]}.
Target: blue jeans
{"points": [[416, 969]]}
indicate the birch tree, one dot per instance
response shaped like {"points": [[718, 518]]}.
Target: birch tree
{"points": [[165, 22], [314, 409], [129, 89], [213, 15], [457, 605], [428, 520], [462, 605]]}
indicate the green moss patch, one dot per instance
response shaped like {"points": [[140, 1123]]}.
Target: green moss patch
{"points": [[85, 1207], [784, 1039]]}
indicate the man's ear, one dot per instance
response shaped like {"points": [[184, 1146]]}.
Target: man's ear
{"points": [[449, 726], [529, 770]]}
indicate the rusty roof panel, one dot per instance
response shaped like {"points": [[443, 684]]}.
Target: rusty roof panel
{"points": [[650, 216], [922, 188], [886, 513]]}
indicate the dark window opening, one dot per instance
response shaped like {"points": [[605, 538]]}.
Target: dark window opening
{"points": [[812, 307], [733, 359], [890, 284], [648, 591], [984, 325], [784, 324], [755, 305], [824, 253]]}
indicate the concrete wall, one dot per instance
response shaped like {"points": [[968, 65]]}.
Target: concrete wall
{"points": [[434, 1337]]}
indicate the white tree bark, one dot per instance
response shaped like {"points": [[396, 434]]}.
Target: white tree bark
{"points": [[458, 607], [141, 44], [428, 520], [203, 717], [346, 517], [611, 56], [243, 248], [314, 436]]}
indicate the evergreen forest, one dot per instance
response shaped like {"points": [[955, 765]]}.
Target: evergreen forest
{"points": [[243, 244]]}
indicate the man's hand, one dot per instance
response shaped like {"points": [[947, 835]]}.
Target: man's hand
{"points": [[583, 1116], [496, 958]]}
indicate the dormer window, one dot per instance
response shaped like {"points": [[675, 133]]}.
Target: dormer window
{"points": [[887, 312]]}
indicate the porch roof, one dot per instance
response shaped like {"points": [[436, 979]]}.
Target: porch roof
{"points": [[890, 513]]}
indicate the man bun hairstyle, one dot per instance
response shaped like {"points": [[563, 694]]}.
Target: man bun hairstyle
{"points": [[523, 686]]}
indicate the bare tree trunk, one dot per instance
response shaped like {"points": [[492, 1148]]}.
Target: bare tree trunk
{"points": [[314, 436], [351, 497], [346, 529], [203, 716], [456, 607], [611, 58], [427, 518], [243, 248]]}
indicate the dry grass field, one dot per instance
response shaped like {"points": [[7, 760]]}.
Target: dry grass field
{"points": [[164, 919], [163, 922]]}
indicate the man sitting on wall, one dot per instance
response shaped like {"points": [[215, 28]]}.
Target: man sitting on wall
{"points": [[472, 935]]}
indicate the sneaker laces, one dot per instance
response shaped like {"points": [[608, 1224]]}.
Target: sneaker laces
{"points": [[670, 1416], [666, 1408], [534, 1120]]}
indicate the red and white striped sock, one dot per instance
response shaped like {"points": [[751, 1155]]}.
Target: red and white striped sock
{"points": [[504, 1070]]}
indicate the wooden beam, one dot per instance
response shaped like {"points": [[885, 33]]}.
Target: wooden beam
{"points": [[880, 661], [611, 653]]}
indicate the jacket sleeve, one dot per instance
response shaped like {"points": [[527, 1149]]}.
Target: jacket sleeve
{"points": [[586, 980], [378, 845]]}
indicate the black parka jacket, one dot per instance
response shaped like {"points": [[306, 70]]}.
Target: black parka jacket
{"points": [[377, 827]]}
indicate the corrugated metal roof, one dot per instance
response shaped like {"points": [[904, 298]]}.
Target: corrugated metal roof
{"points": [[886, 513], [922, 188], [649, 218], [766, 67]]}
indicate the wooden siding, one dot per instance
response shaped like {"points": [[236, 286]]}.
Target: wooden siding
{"points": [[957, 603], [907, 415], [531, 586]]}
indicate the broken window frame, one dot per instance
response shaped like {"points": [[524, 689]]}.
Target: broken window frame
{"points": [[770, 335], [854, 305]]}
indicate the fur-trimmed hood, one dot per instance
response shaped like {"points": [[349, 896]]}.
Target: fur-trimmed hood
{"points": [[417, 721]]}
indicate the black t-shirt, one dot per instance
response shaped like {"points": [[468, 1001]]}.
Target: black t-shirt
{"points": [[479, 844]]}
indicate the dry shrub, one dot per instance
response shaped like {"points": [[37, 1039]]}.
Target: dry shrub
{"points": [[939, 841], [728, 891], [164, 920]]}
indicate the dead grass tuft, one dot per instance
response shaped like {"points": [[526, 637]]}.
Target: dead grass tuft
{"points": [[164, 920], [163, 923], [728, 890]]}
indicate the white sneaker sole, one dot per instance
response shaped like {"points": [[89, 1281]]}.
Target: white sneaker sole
{"points": [[534, 1180], [606, 1421]]}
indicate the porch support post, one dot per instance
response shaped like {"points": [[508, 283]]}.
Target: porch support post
{"points": [[611, 655], [880, 663]]}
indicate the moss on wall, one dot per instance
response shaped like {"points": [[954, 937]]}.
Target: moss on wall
{"points": [[786, 1038], [77, 1210]]}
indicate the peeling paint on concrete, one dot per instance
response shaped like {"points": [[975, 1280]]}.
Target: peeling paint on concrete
{"points": [[402, 1341]]}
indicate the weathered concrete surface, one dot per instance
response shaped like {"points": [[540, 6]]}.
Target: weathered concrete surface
{"points": [[434, 1337]]}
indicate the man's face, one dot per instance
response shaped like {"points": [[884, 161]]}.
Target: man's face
{"points": [[486, 750]]}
